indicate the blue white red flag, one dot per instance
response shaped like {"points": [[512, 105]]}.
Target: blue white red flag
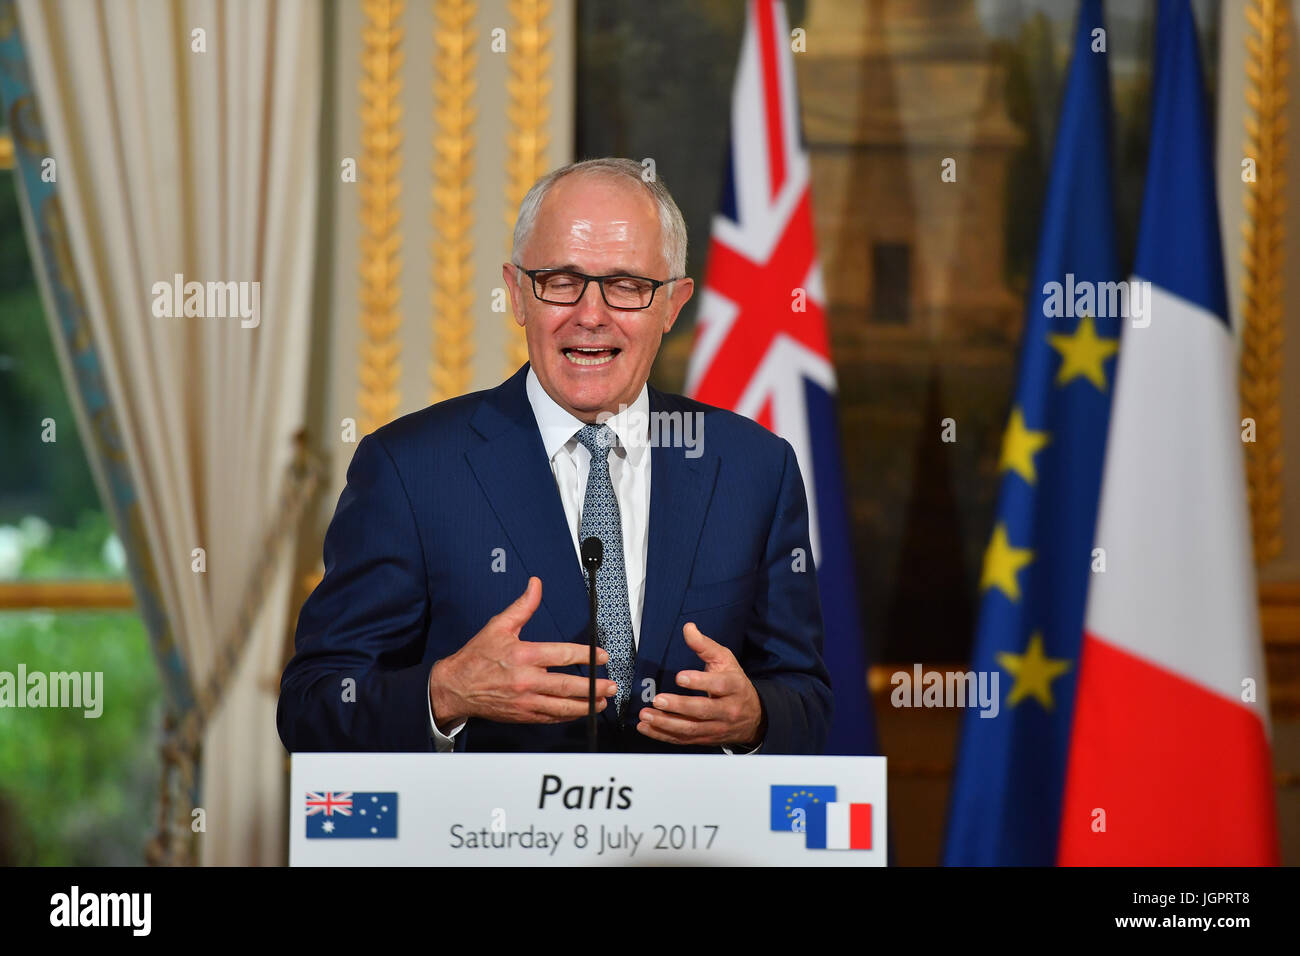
{"points": [[1170, 758], [1005, 804], [762, 347]]}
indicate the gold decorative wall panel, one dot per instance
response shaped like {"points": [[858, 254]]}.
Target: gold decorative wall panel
{"points": [[452, 251], [380, 188], [528, 113], [1263, 277]]}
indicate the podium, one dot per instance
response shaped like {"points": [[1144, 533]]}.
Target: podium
{"points": [[576, 809]]}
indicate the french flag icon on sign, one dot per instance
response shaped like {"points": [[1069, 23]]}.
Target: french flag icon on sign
{"points": [[839, 826]]}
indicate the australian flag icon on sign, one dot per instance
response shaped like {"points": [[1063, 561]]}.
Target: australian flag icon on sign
{"points": [[351, 815]]}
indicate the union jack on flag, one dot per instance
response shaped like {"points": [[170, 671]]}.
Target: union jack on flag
{"points": [[351, 815], [762, 347], [329, 803]]}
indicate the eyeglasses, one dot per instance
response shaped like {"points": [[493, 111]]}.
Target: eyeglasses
{"points": [[562, 287]]}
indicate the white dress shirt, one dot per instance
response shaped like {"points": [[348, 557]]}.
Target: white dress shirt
{"points": [[629, 472]]}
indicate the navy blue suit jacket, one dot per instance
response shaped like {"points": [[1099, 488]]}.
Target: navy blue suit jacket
{"points": [[439, 501]]}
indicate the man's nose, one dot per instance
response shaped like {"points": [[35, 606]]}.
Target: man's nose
{"points": [[590, 309]]}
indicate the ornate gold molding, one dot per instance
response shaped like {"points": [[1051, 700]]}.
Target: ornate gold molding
{"points": [[66, 595], [1282, 623], [1279, 619], [1264, 229], [381, 237], [528, 88], [1279, 604], [453, 197], [902, 768]]}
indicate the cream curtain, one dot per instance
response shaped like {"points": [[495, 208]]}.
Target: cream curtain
{"points": [[184, 137]]}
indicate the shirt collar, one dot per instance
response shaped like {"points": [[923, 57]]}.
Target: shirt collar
{"points": [[631, 425]]}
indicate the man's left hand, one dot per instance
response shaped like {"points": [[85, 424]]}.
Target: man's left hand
{"points": [[732, 714]]}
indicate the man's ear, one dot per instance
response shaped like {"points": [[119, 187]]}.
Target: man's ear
{"points": [[683, 289], [510, 272]]}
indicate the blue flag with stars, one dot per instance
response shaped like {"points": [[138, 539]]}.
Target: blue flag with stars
{"points": [[351, 815], [1006, 797], [791, 805]]}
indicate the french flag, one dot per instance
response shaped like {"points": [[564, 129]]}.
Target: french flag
{"points": [[762, 346], [838, 826], [1169, 760]]}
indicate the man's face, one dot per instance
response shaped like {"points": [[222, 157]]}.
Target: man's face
{"points": [[598, 226]]}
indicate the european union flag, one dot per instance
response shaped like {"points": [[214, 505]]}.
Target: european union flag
{"points": [[1006, 801], [795, 804], [349, 815]]}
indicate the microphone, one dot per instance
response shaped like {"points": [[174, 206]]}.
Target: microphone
{"points": [[593, 555]]}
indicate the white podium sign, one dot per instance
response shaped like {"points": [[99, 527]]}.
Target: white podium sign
{"points": [[468, 809]]}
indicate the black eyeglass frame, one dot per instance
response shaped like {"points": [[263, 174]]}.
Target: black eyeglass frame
{"points": [[600, 281]]}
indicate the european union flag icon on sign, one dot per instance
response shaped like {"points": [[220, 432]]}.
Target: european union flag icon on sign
{"points": [[351, 815], [791, 806]]}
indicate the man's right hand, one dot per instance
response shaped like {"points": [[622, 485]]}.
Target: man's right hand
{"points": [[496, 676]]}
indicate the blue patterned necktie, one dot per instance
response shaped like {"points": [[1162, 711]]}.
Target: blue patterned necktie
{"points": [[600, 517]]}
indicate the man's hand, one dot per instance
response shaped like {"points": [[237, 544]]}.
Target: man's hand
{"points": [[497, 676], [732, 714]]}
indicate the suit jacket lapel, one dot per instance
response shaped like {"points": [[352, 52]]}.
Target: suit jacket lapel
{"points": [[512, 459], [512, 468], [680, 491]]}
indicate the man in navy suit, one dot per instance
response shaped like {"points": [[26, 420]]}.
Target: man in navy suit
{"points": [[419, 638]]}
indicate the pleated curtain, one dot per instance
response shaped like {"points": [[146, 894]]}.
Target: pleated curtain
{"points": [[184, 139]]}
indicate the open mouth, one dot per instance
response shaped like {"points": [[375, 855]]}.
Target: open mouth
{"points": [[590, 356]]}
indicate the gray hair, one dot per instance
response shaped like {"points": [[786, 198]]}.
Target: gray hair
{"points": [[672, 227]]}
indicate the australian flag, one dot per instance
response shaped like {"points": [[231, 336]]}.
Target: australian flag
{"points": [[351, 815], [1006, 799], [762, 347]]}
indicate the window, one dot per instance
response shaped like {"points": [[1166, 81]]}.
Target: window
{"points": [[77, 783]]}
